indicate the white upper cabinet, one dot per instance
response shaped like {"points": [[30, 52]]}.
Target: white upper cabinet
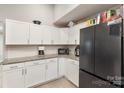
{"points": [[43, 34], [77, 34], [46, 34], [35, 34], [64, 35], [55, 35], [74, 35], [22, 33], [17, 32]]}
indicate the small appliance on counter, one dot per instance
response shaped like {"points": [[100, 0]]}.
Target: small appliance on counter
{"points": [[77, 51], [41, 50], [37, 22], [63, 51]]}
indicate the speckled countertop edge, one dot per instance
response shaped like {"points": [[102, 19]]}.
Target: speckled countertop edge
{"points": [[33, 58]]}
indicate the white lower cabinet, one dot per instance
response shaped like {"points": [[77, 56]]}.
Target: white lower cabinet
{"points": [[62, 68], [51, 69], [30, 73], [13, 76], [72, 71], [34, 73], [73, 74], [13, 79]]}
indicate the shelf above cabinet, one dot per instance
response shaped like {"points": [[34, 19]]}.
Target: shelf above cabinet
{"points": [[82, 11]]}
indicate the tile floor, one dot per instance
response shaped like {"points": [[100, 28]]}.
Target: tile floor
{"points": [[59, 83]]}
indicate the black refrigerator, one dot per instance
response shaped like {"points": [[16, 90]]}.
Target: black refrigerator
{"points": [[101, 55]]}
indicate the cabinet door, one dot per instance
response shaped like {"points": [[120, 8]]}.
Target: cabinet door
{"points": [[68, 70], [35, 34], [61, 67], [17, 32], [35, 75], [77, 31], [55, 36], [72, 72], [13, 78], [51, 69], [47, 34], [64, 35], [75, 73], [77, 34], [72, 35]]}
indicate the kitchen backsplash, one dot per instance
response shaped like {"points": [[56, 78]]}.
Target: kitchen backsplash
{"points": [[23, 51]]}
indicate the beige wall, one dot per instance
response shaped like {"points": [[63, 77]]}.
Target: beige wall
{"points": [[62, 9], [28, 12]]}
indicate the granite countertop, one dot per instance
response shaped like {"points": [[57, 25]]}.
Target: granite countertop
{"points": [[33, 58]]}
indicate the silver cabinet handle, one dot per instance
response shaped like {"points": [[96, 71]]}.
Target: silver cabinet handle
{"points": [[25, 71], [14, 67], [22, 71], [28, 41], [75, 41]]}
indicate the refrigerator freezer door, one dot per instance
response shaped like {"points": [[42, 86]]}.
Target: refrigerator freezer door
{"points": [[87, 49], [108, 51], [90, 81]]}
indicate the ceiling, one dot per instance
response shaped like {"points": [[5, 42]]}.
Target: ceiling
{"points": [[83, 11]]}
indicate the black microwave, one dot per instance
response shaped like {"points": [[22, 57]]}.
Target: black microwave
{"points": [[63, 51]]}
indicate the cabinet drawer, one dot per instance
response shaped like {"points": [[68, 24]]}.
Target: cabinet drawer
{"points": [[52, 60], [13, 66], [37, 62]]}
